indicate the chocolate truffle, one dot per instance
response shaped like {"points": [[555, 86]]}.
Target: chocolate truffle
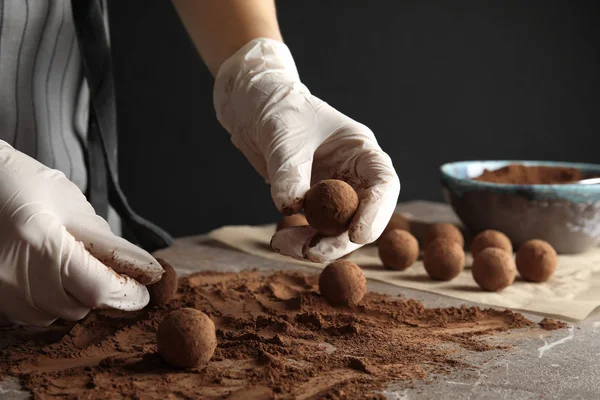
{"points": [[444, 259], [329, 206], [162, 291], [292, 220], [398, 249], [536, 260], [494, 269], [342, 283], [490, 238], [446, 231], [186, 338], [397, 222]]}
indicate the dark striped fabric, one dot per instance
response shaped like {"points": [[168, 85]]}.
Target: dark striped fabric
{"points": [[44, 100]]}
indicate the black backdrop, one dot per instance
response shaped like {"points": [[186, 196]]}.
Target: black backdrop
{"points": [[436, 81]]}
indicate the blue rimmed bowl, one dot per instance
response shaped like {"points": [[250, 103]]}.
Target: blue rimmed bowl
{"points": [[567, 215]]}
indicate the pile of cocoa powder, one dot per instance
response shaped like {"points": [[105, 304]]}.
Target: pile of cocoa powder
{"points": [[277, 338], [519, 174]]}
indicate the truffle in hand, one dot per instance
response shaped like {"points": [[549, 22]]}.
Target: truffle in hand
{"points": [[494, 269], [291, 221], [186, 338], [445, 231], [342, 283], [491, 238], [536, 260], [398, 249], [444, 259], [329, 206]]}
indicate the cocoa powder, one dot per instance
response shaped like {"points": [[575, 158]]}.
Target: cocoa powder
{"points": [[519, 174], [277, 338]]}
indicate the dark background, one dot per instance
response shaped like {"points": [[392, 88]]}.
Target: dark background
{"points": [[437, 81]]}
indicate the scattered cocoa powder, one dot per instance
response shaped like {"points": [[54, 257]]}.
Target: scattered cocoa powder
{"points": [[518, 174], [277, 338], [551, 324]]}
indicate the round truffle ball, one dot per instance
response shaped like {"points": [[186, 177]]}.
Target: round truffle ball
{"points": [[292, 220], [444, 259], [342, 283], [494, 269], [397, 222], [536, 260], [164, 290], [329, 206], [446, 231], [491, 238], [186, 338], [398, 249]]}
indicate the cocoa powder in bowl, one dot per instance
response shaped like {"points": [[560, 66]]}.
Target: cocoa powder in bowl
{"points": [[494, 269], [291, 221], [186, 338], [164, 290], [536, 260], [518, 174], [342, 283], [329, 206], [398, 249], [490, 238], [444, 259]]}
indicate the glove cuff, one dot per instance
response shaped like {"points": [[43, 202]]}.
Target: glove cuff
{"points": [[235, 76]]}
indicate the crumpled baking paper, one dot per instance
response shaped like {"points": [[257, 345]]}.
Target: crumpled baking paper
{"points": [[572, 293]]}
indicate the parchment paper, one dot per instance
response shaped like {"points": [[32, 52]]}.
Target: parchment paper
{"points": [[572, 292]]}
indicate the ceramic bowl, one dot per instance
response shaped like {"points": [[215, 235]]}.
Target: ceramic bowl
{"points": [[566, 215]]}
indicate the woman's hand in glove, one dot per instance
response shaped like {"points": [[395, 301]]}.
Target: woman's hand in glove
{"points": [[294, 140], [58, 259]]}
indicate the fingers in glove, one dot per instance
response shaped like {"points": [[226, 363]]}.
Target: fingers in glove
{"points": [[321, 249], [37, 264], [113, 251], [378, 196], [289, 187], [290, 241], [306, 244], [96, 285]]}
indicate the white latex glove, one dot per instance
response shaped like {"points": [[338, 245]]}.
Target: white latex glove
{"points": [[294, 140], [46, 225]]}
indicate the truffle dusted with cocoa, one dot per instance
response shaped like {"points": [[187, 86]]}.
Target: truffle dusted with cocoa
{"points": [[445, 231], [397, 222], [291, 221], [444, 259], [398, 249], [164, 290], [329, 206], [494, 269], [342, 283], [536, 260], [186, 338], [491, 238]]}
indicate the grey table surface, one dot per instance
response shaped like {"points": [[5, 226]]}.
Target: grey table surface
{"points": [[563, 364]]}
